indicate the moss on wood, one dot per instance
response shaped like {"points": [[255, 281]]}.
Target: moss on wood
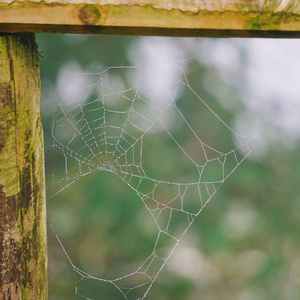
{"points": [[23, 262], [274, 21]]}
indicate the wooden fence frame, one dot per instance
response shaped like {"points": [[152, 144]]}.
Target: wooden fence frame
{"points": [[23, 255]]}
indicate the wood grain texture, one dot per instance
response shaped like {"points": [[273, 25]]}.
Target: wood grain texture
{"points": [[266, 18], [23, 262]]}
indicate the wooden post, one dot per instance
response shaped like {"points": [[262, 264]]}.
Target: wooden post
{"points": [[23, 262]]}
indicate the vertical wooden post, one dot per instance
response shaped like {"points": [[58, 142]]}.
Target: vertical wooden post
{"points": [[23, 262]]}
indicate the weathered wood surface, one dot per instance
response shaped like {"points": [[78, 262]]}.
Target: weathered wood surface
{"points": [[265, 18], [23, 261]]}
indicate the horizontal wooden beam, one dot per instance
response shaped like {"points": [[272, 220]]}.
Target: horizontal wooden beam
{"points": [[224, 18]]}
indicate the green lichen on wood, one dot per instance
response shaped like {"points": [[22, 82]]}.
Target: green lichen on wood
{"points": [[24, 4], [23, 261], [275, 21]]}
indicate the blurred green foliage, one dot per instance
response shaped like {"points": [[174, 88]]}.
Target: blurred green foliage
{"points": [[244, 245]]}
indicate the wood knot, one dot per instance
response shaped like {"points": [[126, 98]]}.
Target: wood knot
{"points": [[89, 14]]}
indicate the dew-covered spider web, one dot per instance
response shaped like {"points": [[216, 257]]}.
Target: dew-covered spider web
{"points": [[160, 144]]}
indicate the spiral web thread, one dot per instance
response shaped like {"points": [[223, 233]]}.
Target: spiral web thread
{"points": [[107, 135]]}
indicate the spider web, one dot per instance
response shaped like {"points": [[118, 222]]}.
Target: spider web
{"points": [[111, 130]]}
